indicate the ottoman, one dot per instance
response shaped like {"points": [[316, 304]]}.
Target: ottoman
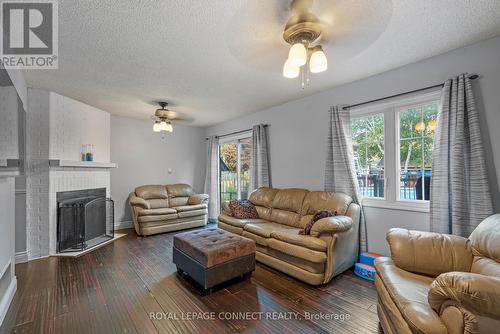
{"points": [[213, 256]]}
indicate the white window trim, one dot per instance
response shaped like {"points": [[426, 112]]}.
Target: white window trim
{"points": [[390, 109]]}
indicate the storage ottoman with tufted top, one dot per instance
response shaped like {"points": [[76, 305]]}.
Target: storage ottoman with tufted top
{"points": [[213, 256]]}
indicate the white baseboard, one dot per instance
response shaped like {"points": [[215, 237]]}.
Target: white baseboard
{"points": [[123, 225], [21, 257], [7, 299]]}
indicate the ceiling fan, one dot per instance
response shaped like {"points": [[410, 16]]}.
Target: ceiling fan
{"points": [[163, 118], [303, 31]]}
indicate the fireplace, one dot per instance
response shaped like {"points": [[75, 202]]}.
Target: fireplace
{"points": [[84, 219]]}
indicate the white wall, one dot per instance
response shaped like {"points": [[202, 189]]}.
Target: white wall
{"points": [[143, 157], [298, 129], [72, 124], [9, 134]]}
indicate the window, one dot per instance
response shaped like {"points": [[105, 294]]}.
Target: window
{"points": [[234, 167], [368, 146], [416, 138], [392, 144]]}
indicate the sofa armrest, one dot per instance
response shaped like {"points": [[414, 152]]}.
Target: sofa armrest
{"points": [[478, 294], [226, 209], [332, 225], [429, 253], [137, 201], [198, 199]]}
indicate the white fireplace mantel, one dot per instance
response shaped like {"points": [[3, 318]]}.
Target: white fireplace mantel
{"points": [[81, 164], [9, 167]]}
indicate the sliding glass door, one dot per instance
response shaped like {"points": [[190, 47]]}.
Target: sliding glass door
{"points": [[234, 167]]}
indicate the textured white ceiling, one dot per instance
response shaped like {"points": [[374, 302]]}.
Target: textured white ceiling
{"points": [[219, 59]]}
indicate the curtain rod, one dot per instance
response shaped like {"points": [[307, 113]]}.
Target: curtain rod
{"points": [[472, 77], [235, 132]]}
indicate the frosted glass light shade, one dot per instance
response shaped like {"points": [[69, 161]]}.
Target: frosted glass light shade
{"points": [[290, 71], [156, 127], [169, 128], [163, 126], [318, 62], [297, 55]]}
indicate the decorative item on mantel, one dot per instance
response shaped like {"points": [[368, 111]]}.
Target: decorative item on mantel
{"points": [[87, 152]]}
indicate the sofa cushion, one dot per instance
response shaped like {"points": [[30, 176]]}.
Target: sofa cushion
{"points": [[289, 199], [157, 203], [297, 251], [179, 194], [193, 213], [285, 217], [155, 218], [300, 240], [179, 190], [263, 212], [263, 196], [257, 238], [409, 292], [265, 229], [159, 211], [316, 201], [238, 222], [190, 207], [151, 192], [486, 238]]}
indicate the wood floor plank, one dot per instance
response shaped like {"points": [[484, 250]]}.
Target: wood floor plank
{"points": [[131, 286]]}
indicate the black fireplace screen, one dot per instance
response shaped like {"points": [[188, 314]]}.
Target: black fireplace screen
{"points": [[85, 218]]}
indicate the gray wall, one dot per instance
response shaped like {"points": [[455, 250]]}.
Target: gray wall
{"points": [[298, 129], [143, 157]]}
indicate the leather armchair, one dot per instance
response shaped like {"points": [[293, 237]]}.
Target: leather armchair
{"points": [[438, 283]]}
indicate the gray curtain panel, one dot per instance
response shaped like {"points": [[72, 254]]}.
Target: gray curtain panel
{"points": [[212, 178], [259, 171], [460, 193], [340, 173]]}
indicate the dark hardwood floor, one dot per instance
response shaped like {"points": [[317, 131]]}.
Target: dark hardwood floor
{"points": [[131, 286]]}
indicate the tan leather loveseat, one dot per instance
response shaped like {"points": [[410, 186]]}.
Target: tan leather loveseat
{"points": [[331, 249], [160, 208], [437, 283]]}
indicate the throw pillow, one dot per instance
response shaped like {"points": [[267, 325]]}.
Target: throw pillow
{"points": [[243, 209], [319, 215]]}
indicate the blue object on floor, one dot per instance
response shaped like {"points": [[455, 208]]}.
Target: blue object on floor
{"points": [[368, 258], [364, 271]]}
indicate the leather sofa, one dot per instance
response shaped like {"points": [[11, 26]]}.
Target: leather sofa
{"points": [[164, 208], [438, 283], [331, 248]]}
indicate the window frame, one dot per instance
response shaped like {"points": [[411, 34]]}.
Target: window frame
{"points": [[390, 110]]}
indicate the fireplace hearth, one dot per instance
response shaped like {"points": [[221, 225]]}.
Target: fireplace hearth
{"points": [[84, 219]]}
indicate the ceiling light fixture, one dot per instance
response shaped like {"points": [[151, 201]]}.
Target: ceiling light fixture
{"points": [[162, 118], [302, 31]]}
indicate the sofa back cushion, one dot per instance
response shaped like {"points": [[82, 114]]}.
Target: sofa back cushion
{"points": [[484, 242], [156, 195], [178, 194], [322, 200], [151, 192], [287, 205], [262, 199]]}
